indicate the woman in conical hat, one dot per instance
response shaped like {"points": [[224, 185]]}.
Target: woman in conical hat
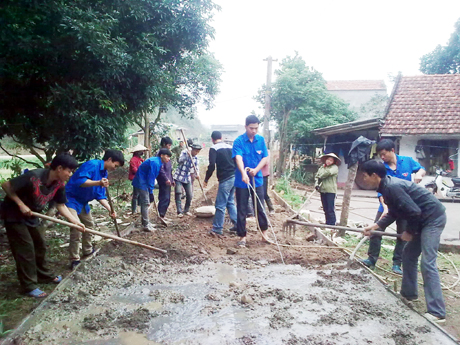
{"points": [[326, 184], [134, 164]]}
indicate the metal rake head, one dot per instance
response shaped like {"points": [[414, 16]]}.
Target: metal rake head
{"points": [[289, 229]]}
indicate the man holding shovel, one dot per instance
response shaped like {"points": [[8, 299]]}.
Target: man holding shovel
{"points": [[28, 193], [220, 155], [251, 155], [426, 218], [87, 184], [144, 182]]}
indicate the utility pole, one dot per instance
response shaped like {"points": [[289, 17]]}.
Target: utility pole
{"points": [[268, 91]]}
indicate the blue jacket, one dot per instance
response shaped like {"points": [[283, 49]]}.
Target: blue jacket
{"points": [[147, 173], [78, 197], [252, 153]]}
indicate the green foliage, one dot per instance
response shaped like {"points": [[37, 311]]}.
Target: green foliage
{"points": [[444, 59], [76, 73], [15, 165], [375, 107], [302, 176], [2, 328], [283, 186], [300, 103]]}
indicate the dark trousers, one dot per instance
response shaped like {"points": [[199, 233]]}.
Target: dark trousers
{"points": [[164, 198], [328, 202], [266, 196], [29, 250], [242, 201], [375, 243]]}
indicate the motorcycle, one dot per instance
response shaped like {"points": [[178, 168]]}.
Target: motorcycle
{"points": [[439, 185]]}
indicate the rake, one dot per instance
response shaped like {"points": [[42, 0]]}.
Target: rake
{"points": [[290, 224]]}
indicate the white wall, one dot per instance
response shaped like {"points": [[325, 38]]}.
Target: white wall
{"points": [[407, 145]]}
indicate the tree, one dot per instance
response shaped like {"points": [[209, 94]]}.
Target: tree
{"points": [[300, 103], [75, 74], [375, 107], [444, 59]]}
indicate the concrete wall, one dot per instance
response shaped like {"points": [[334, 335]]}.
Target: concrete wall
{"points": [[356, 98]]}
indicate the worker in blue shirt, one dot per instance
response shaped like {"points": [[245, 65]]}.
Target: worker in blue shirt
{"points": [[87, 184], [401, 167], [144, 183], [251, 155]]}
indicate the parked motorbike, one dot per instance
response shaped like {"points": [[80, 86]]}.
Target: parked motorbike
{"points": [[439, 185]]}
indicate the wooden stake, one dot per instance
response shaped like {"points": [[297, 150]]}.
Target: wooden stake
{"points": [[112, 211]]}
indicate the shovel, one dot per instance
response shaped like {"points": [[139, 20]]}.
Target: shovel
{"points": [[206, 200], [158, 213], [94, 232]]}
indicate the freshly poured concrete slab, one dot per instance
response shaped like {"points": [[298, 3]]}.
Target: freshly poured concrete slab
{"points": [[228, 301]]}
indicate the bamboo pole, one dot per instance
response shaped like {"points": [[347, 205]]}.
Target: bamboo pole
{"points": [[94, 232]]}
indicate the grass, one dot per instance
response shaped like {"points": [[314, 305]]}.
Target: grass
{"points": [[283, 187]]}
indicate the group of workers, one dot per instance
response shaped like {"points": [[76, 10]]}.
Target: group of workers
{"points": [[420, 219], [419, 216], [234, 167]]}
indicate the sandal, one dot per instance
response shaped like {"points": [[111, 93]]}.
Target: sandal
{"points": [[241, 244], [57, 280], [37, 293]]}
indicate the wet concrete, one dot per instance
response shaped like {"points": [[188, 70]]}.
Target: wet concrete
{"points": [[227, 301]]}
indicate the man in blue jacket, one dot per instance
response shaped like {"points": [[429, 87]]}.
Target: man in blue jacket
{"points": [[144, 183], [426, 219], [89, 183], [251, 155]]}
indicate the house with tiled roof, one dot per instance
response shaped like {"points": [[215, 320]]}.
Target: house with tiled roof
{"points": [[423, 118], [357, 92]]}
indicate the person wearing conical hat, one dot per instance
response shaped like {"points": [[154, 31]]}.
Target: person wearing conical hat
{"points": [[326, 185], [134, 164]]}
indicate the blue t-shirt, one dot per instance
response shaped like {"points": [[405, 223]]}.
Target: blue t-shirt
{"points": [[147, 173], [252, 153], [405, 167], [78, 197]]}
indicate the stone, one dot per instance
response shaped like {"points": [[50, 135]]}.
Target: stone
{"points": [[231, 251], [246, 299]]}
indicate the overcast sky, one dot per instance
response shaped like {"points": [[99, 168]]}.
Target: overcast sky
{"points": [[342, 39]]}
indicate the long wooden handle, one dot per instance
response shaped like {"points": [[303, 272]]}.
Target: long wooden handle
{"points": [[94, 232], [338, 227], [112, 211], [194, 167]]}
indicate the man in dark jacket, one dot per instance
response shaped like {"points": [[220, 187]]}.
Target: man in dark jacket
{"points": [[165, 180], [426, 218], [220, 155]]}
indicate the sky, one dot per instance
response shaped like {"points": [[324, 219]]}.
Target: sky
{"points": [[342, 39]]}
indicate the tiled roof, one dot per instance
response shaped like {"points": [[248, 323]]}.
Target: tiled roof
{"points": [[350, 85], [426, 104]]}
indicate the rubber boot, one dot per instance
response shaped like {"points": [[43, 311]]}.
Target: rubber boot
{"points": [[271, 209]]}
